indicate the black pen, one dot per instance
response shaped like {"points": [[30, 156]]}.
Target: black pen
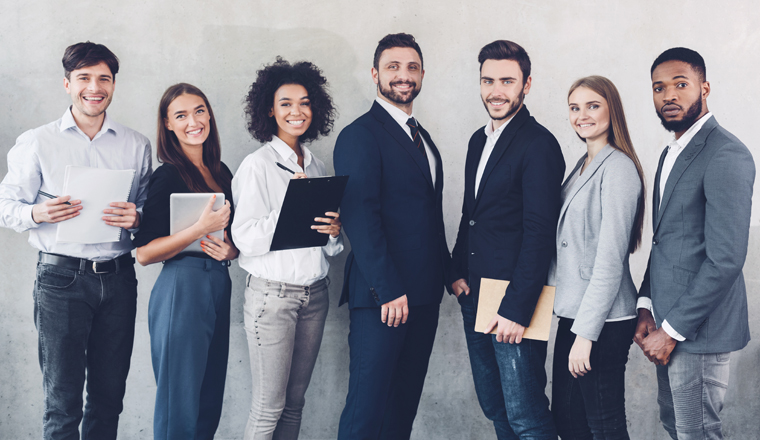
{"points": [[285, 168], [50, 196]]}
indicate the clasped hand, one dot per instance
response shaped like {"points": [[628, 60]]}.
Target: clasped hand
{"points": [[656, 344]]}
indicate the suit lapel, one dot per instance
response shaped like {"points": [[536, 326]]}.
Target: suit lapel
{"points": [[682, 163], [398, 133], [656, 190], [585, 177], [474, 152], [505, 140]]}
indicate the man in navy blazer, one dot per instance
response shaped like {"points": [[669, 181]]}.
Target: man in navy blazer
{"points": [[513, 176], [693, 301], [395, 274]]}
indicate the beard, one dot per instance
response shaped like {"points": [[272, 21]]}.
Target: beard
{"points": [[399, 98], [513, 107], [691, 116]]}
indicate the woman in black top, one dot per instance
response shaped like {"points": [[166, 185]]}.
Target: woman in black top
{"points": [[189, 310]]}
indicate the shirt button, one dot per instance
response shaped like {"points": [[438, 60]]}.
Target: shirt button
{"points": [[564, 243], [472, 222]]}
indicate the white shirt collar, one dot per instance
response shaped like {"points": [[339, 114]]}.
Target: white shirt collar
{"points": [[491, 132], [67, 121], [287, 153], [396, 113], [684, 140]]}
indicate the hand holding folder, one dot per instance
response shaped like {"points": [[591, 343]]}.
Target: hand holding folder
{"points": [[492, 292]]}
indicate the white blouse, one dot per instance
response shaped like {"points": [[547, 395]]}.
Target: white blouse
{"points": [[258, 190]]}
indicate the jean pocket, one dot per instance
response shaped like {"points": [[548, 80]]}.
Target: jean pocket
{"points": [[723, 357], [54, 277]]}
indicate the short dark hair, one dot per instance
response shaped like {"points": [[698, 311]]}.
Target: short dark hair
{"points": [[396, 40], [80, 55], [688, 56], [260, 99], [506, 50]]}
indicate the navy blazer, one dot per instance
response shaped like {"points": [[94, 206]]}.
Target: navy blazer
{"points": [[508, 232], [391, 213]]}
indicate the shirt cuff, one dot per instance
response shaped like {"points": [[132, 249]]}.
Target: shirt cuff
{"points": [[644, 303], [27, 219], [672, 332]]}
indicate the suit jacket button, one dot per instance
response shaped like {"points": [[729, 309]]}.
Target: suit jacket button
{"points": [[564, 243], [472, 222], [655, 241]]}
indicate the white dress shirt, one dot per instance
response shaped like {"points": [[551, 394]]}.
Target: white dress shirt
{"points": [[38, 162], [492, 136], [258, 190], [675, 147], [401, 117]]}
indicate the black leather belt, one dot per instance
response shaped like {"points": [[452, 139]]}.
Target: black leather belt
{"points": [[98, 267]]}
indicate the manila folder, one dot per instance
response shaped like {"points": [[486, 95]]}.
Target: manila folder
{"points": [[492, 292]]}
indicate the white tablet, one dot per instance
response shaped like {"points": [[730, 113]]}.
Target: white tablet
{"points": [[186, 208]]}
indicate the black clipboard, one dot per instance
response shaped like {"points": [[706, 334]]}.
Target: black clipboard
{"points": [[306, 199]]}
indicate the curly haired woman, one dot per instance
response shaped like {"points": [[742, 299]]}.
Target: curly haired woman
{"points": [[286, 296]]}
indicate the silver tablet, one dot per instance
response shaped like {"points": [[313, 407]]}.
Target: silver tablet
{"points": [[186, 208]]}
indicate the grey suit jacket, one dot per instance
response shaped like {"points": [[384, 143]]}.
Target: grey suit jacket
{"points": [[701, 231], [591, 269]]}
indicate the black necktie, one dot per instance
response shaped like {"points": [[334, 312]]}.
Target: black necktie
{"points": [[416, 136]]}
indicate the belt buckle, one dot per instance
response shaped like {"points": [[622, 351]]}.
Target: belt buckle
{"points": [[95, 268]]}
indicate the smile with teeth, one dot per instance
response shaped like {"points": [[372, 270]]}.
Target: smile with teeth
{"points": [[585, 125], [93, 98], [195, 132], [297, 123]]}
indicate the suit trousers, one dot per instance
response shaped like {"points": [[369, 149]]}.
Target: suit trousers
{"points": [[86, 325], [284, 324], [592, 406], [189, 323], [691, 391], [387, 371]]}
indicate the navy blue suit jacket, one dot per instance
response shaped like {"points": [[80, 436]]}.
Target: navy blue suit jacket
{"points": [[508, 232], [391, 213]]}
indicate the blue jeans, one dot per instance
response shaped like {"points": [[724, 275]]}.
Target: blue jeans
{"points": [[86, 326], [509, 381], [691, 391], [592, 406], [189, 323]]}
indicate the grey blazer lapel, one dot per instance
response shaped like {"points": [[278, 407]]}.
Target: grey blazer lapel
{"points": [[585, 177], [682, 163]]}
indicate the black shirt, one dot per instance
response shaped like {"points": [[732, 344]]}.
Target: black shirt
{"points": [[154, 223]]}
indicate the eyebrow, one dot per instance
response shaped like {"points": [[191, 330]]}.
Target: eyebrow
{"points": [[675, 77], [285, 98], [196, 108], [500, 79], [589, 102]]}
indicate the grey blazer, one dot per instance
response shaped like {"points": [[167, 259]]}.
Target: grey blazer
{"points": [[701, 232], [591, 270]]}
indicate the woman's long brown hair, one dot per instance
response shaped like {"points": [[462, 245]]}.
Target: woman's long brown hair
{"points": [[619, 139], [170, 151]]}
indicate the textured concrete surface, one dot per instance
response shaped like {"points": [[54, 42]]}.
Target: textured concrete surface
{"points": [[219, 45]]}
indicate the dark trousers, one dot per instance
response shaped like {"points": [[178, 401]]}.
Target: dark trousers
{"points": [[593, 405], [509, 381], [189, 322], [387, 371], [86, 326]]}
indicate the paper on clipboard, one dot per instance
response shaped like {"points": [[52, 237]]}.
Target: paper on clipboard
{"points": [[96, 188], [489, 299]]}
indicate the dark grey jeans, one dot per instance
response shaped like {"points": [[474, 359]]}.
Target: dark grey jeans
{"points": [[691, 391], [86, 326]]}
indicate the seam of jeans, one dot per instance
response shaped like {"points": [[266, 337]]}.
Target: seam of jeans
{"points": [[45, 378]]}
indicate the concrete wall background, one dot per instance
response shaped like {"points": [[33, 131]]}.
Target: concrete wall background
{"points": [[219, 45]]}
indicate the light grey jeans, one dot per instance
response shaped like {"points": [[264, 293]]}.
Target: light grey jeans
{"points": [[284, 324], [691, 391]]}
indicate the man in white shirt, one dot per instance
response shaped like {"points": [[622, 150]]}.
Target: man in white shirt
{"points": [[85, 294], [693, 301], [394, 276]]}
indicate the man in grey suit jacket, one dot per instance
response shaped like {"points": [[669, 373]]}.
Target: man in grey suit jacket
{"points": [[693, 301]]}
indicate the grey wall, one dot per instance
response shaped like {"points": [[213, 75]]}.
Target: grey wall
{"points": [[218, 46]]}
